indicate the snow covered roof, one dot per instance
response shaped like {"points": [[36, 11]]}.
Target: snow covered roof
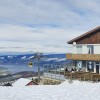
{"points": [[21, 82]]}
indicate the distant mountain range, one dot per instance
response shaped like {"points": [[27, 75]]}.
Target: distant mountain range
{"points": [[18, 63], [24, 59]]}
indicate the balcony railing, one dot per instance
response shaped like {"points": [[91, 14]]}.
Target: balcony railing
{"points": [[89, 57]]}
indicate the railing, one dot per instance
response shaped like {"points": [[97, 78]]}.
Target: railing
{"points": [[54, 76], [83, 76], [89, 57]]}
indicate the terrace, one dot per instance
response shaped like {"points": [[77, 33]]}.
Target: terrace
{"points": [[82, 76]]}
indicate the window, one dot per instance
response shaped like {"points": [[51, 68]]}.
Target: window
{"points": [[90, 66], [79, 64], [79, 49], [97, 63], [90, 49]]}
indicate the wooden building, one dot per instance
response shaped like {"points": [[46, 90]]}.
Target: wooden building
{"points": [[86, 51]]}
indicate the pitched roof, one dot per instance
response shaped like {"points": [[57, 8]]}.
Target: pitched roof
{"points": [[84, 35], [21, 82]]}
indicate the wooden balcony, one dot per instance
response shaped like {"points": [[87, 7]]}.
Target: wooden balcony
{"points": [[89, 57]]}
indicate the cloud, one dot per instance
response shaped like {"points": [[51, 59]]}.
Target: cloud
{"points": [[21, 38], [45, 25], [66, 13]]}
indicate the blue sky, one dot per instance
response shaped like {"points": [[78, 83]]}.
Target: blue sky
{"points": [[45, 25]]}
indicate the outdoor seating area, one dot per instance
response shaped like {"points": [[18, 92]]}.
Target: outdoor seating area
{"points": [[83, 76], [51, 82]]}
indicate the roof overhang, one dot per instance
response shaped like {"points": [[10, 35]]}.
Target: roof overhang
{"points": [[84, 35]]}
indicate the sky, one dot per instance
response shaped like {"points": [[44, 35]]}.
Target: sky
{"points": [[28, 26]]}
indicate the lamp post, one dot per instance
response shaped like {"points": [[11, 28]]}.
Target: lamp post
{"points": [[38, 56]]}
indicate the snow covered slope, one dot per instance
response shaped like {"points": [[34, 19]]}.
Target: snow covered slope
{"points": [[67, 91]]}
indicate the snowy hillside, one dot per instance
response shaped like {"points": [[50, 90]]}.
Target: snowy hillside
{"points": [[66, 91]]}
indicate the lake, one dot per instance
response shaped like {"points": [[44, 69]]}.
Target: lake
{"points": [[18, 68]]}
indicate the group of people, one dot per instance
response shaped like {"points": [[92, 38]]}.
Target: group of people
{"points": [[72, 70]]}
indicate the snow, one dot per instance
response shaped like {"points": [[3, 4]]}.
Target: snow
{"points": [[21, 82], [61, 59], [23, 57], [31, 57], [56, 59], [1, 57], [66, 91], [10, 57], [50, 59]]}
